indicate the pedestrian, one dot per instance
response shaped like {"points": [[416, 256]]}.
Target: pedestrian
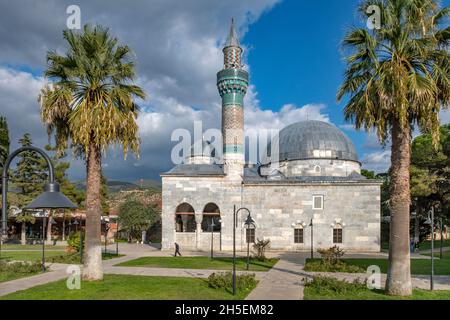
{"points": [[177, 250]]}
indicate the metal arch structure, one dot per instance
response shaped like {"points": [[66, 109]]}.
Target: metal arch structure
{"points": [[5, 179]]}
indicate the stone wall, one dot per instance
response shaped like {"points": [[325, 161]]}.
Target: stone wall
{"points": [[277, 210], [315, 167]]}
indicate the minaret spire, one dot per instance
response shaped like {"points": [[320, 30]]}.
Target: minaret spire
{"points": [[232, 83], [232, 51], [232, 40]]}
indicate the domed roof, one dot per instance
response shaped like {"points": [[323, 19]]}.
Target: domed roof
{"points": [[314, 139], [202, 148]]}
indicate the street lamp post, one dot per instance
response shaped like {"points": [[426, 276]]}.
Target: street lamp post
{"points": [[212, 225], [43, 241], [312, 239], [249, 224], [235, 213], [430, 221], [117, 237], [81, 240], [440, 228], [106, 235], [51, 198]]}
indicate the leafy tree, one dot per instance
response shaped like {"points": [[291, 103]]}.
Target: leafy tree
{"points": [[4, 141], [24, 217], [4, 144], [135, 217], [368, 174], [430, 177], [398, 77], [91, 103], [104, 195], [29, 175]]}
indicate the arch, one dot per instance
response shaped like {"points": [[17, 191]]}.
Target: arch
{"points": [[185, 218], [317, 169], [211, 213]]}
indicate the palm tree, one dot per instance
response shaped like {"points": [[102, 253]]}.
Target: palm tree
{"points": [[91, 103], [398, 77]]}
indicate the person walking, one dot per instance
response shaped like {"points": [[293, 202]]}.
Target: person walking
{"points": [[177, 250]]}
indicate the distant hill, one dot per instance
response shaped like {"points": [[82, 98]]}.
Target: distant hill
{"points": [[116, 185], [148, 183]]}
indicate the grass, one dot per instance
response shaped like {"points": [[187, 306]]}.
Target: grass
{"points": [[51, 256], [18, 247], [74, 258], [16, 270], [8, 276], [126, 287], [199, 263], [418, 266], [23, 255], [323, 288], [426, 245]]}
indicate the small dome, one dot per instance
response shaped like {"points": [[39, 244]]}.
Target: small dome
{"points": [[314, 140], [202, 148]]}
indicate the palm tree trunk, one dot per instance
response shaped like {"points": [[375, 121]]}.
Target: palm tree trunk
{"points": [[399, 273], [93, 268], [23, 240]]}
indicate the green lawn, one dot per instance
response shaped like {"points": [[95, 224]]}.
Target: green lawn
{"points": [[125, 287], [199, 263], [418, 266], [327, 288], [24, 255], [59, 256], [31, 247], [8, 276], [321, 294], [437, 244]]}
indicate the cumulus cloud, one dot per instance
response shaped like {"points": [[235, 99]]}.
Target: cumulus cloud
{"points": [[18, 103], [178, 49], [378, 161]]}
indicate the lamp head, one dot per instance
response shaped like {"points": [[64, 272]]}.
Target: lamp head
{"points": [[51, 198], [249, 221]]}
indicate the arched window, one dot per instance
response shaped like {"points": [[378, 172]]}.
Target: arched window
{"points": [[185, 218], [298, 234], [317, 170], [211, 216], [337, 233]]}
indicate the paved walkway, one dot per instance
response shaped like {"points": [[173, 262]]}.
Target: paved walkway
{"points": [[282, 282], [58, 272]]}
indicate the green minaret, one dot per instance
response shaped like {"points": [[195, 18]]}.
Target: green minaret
{"points": [[232, 83]]}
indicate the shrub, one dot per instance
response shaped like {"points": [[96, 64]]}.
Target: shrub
{"points": [[72, 258], [224, 280], [74, 240], [335, 286], [20, 267], [261, 246], [332, 255], [319, 266], [331, 262]]}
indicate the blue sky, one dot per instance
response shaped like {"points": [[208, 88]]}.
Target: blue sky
{"points": [[291, 49]]}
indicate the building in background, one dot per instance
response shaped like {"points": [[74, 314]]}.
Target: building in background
{"points": [[317, 178]]}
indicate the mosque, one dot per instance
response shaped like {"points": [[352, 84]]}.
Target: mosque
{"points": [[314, 195]]}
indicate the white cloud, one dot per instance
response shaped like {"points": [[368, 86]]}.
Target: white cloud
{"points": [[378, 161], [18, 103]]}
